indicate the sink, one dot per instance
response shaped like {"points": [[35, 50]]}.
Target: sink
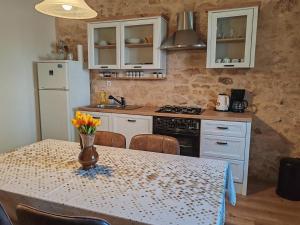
{"points": [[114, 106], [99, 106]]}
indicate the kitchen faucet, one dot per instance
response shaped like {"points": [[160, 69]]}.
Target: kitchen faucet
{"points": [[122, 102]]}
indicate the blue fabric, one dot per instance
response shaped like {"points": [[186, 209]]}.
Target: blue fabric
{"points": [[230, 187], [231, 194]]}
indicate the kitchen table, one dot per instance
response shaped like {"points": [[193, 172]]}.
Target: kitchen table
{"points": [[127, 186]]}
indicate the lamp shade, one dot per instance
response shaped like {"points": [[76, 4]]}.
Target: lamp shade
{"points": [[70, 9]]}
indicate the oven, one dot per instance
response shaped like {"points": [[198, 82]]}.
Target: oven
{"points": [[186, 131]]}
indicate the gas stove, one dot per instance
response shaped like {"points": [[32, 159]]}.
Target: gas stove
{"points": [[180, 110]]}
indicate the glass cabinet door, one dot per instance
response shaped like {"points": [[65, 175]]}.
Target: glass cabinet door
{"points": [[138, 41], [231, 38], [105, 53]]}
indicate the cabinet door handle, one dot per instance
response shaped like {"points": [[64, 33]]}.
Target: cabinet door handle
{"points": [[230, 65], [137, 67], [222, 128], [104, 67], [221, 143], [131, 121]]}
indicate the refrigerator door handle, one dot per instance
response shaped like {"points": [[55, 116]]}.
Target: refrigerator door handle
{"points": [[54, 89]]}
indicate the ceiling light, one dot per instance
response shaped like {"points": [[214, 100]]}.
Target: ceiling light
{"points": [[70, 9], [67, 7]]}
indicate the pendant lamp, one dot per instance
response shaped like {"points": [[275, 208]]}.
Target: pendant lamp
{"points": [[69, 9]]}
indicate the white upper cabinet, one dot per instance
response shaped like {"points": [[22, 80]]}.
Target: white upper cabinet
{"points": [[127, 44], [104, 45], [231, 38], [140, 44]]}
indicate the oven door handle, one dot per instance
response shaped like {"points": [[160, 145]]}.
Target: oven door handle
{"points": [[179, 134], [186, 146]]}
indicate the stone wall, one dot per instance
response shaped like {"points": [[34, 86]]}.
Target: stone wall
{"points": [[273, 85]]}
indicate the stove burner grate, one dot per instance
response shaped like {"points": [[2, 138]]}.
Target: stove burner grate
{"points": [[180, 110]]}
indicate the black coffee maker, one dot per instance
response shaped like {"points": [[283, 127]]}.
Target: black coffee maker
{"points": [[237, 101]]}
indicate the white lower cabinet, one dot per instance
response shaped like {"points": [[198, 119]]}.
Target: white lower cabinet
{"points": [[131, 125], [224, 128], [237, 168], [105, 120], [223, 146], [128, 125], [229, 141]]}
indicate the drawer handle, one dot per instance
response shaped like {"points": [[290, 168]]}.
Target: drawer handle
{"points": [[97, 118], [131, 121], [137, 67], [221, 143], [104, 67], [222, 128]]}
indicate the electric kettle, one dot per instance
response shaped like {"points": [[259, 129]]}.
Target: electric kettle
{"points": [[222, 102]]}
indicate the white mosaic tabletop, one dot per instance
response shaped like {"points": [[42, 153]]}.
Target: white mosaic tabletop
{"points": [[146, 187]]}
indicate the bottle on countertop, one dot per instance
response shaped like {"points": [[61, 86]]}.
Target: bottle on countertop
{"points": [[103, 97]]}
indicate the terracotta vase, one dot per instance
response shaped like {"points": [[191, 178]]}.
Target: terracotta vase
{"points": [[88, 156]]}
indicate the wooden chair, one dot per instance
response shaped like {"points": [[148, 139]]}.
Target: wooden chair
{"points": [[111, 139], [4, 218], [155, 143], [30, 216]]}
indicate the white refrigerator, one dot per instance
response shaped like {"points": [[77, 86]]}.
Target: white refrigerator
{"points": [[63, 86]]}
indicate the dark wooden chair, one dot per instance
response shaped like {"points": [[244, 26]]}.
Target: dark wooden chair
{"points": [[30, 216], [155, 143], [111, 139], [4, 218]]}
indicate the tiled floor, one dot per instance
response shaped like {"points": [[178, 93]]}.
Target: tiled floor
{"points": [[263, 207]]}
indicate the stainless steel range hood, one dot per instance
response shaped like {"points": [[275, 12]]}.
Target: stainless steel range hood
{"points": [[185, 37]]}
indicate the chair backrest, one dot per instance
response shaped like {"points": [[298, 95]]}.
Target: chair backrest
{"points": [[155, 143], [4, 219], [111, 139], [30, 216]]}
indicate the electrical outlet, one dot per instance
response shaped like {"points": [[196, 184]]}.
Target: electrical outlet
{"points": [[108, 83]]}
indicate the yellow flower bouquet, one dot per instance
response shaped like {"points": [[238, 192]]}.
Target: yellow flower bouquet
{"points": [[85, 123]]}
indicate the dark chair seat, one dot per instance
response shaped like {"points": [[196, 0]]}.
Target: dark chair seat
{"points": [[155, 143], [31, 216]]}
